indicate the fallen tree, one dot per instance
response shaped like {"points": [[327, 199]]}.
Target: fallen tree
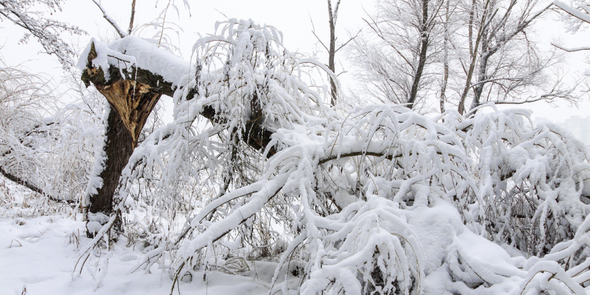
{"points": [[380, 200]]}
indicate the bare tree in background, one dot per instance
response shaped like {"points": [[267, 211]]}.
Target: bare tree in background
{"points": [[504, 64], [482, 52], [395, 57], [331, 49]]}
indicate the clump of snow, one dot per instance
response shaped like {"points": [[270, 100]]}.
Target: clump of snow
{"points": [[132, 51]]}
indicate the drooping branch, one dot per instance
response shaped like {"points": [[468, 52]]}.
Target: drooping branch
{"points": [[46, 31]]}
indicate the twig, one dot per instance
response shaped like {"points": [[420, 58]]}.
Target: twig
{"points": [[14, 240], [121, 33], [570, 49]]}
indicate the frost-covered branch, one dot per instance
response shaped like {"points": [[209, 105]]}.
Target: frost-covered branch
{"points": [[568, 49], [583, 16], [46, 31]]}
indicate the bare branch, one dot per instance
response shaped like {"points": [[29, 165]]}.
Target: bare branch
{"points": [[349, 40], [546, 97], [111, 21], [320, 40], [20, 181], [132, 18], [570, 49]]}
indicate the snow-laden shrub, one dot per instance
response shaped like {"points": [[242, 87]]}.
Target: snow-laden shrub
{"points": [[44, 146], [530, 180]]}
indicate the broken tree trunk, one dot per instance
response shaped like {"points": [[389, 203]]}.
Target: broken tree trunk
{"points": [[132, 95], [131, 103]]}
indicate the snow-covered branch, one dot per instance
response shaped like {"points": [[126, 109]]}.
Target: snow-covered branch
{"points": [[379, 200], [585, 17], [46, 31]]}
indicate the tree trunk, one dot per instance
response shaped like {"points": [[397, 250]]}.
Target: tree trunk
{"points": [[119, 146], [131, 103], [445, 77], [424, 42], [473, 47], [481, 81], [333, 15]]}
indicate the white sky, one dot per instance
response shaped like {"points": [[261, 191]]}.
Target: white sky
{"points": [[293, 18]]}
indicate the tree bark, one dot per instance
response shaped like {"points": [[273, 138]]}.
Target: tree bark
{"points": [[422, 56], [119, 145], [333, 14], [473, 47], [131, 102]]}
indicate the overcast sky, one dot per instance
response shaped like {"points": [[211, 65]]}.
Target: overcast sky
{"points": [[293, 18]]}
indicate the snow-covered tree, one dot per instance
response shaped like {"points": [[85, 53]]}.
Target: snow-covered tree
{"points": [[480, 51], [381, 200], [397, 52], [44, 147]]}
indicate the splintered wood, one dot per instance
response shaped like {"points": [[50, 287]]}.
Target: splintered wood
{"points": [[133, 102]]}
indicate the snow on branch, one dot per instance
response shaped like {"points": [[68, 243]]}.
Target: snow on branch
{"points": [[46, 31], [111, 21], [585, 17]]}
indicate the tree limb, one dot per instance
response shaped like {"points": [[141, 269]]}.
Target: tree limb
{"points": [[111, 21], [570, 49], [31, 186]]}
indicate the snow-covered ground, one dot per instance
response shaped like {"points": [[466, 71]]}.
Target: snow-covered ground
{"points": [[41, 244], [40, 254]]}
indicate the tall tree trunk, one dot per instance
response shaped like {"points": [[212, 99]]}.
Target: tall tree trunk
{"points": [[424, 42], [481, 80], [333, 15], [445, 78], [473, 57]]}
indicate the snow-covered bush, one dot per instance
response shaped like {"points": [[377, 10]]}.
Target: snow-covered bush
{"points": [[530, 180], [45, 147]]}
